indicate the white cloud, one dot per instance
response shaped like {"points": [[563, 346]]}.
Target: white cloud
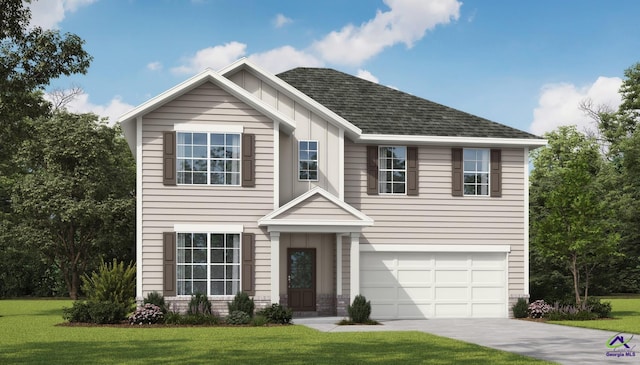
{"points": [[405, 22], [364, 74], [49, 13], [559, 104], [212, 57], [280, 21], [154, 66], [284, 58], [81, 104]]}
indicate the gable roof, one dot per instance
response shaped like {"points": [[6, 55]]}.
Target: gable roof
{"points": [[315, 210], [381, 110]]}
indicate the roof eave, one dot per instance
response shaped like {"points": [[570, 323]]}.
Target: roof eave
{"points": [[531, 143]]}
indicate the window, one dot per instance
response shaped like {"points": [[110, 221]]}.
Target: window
{"points": [[208, 158], [476, 171], [208, 263], [392, 167], [308, 160]]}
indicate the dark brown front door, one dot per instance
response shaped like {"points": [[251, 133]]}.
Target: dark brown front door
{"points": [[301, 279]]}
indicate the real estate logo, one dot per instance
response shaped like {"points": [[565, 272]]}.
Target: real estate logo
{"points": [[620, 346]]}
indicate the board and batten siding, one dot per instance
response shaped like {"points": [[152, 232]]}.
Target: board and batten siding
{"points": [[435, 217], [163, 206], [309, 126]]}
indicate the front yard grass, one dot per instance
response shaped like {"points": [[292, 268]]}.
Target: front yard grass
{"points": [[28, 335], [625, 313]]}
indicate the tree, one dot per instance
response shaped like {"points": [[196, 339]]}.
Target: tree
{"points": [[569, 218], [75, 198]]}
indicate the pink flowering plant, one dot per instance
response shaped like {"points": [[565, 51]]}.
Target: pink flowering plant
{"points": [[148, 314], [539, 309]]}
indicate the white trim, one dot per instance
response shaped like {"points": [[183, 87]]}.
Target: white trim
{"points": [[210, 128], [355, 267], [433, 248], [275, 267], [526, 220], [506, 284], [392, 170], [341, 164], [208, 228], [451, 140], [139, 251], [317, 158], [338, 264], [312, 229], [276, 165]]}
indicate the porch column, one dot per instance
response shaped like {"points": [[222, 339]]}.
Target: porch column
{"points": [[275, 267], [355, 266], [338, 264]]}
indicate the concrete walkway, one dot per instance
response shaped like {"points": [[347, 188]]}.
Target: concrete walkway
{"points": [[561, 344]]}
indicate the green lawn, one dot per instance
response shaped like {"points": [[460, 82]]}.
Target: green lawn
{"points": [[626, 317], [28, 335]]}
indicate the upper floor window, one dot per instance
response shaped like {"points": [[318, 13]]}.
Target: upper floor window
{"points": [[476, 171], [208, 158], [392, 165], [308, 160]]}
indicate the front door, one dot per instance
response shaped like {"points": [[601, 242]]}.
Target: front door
{"points": [[301, 279]]}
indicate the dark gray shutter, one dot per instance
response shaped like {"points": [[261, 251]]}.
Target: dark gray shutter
{"points": [[169, 263], [496, 173], [412, 171], [372, 170], [169, 158], [248, 160], [456, 172], [248, 263]]}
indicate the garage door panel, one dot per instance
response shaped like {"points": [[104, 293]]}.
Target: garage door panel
{"points": [[428, 284], [484, 276], [416, 294], [414, 276], [452, 276]]}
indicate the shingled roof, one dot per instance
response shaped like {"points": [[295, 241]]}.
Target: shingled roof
{"points": [[377, 109]]}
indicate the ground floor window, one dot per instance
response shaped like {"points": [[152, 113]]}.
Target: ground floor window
{"points": [[208, 263]]}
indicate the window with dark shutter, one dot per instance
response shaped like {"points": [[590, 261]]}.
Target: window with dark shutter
{"points": [[456, 172], [412, 171], [248, 263], [169, 158], [496, 173], [169, 263], [248, 160], [372, 170]]}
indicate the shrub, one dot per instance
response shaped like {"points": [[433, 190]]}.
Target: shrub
{"points": [[148, 314], [157, 299], [601, 309], [277, 314], [538, 309], [79, 312], [360, 310], [190, 319], [242, 302], [113, 283], [172, 317], [199, 304], [95, 312], [238, 317], [521, 308], [259, 320]]}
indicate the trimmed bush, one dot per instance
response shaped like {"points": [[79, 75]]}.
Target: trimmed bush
{"points": [[242, 302], [107, 312], [79, 312], [521, 308], [360, 310], [277, 314], [148, 314], [601, 309], [538, 309], [156, 299], [238, 318], [199, 304], [113, 283], [259, 320]]}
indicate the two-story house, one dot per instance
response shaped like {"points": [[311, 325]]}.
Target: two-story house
{"points": [[312, 186]]}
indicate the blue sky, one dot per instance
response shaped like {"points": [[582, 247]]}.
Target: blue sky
{"points": [[524, 64]]}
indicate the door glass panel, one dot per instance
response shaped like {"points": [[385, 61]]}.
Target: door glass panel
{"points": [[301, 270]]}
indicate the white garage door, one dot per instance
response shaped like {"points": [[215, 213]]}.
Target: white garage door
{"points": [[434, 285]]}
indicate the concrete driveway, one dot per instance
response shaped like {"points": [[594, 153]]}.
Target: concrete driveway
{"points": [[562, 344]]}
